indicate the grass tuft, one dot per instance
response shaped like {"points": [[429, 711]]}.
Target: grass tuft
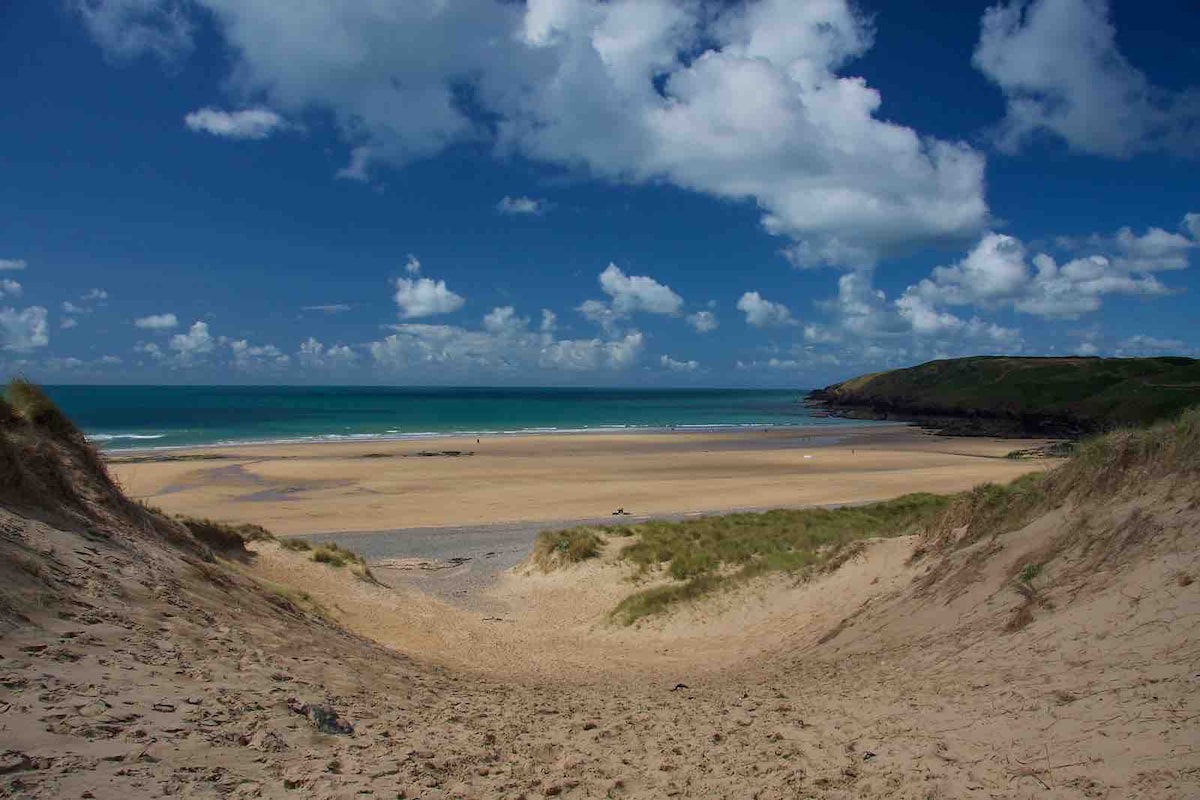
{"points": [[333, 555], [224, 537], [30, 402], [295, 545], [663, 598], [559, 548]]}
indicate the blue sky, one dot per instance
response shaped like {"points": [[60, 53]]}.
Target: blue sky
{"points": [[568, 192]]}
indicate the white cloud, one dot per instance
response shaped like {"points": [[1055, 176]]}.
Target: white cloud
{"points": [[674, 365], [12, 264], [314, 355], [68, 323], [629, 294], [743, 101], [703, 321], [9, 288], [762, 313], [425, 297], [600, 313], [1191, 223], [997, 273], [1058, 65], [522, 206], [150, 349], [505, 345], [549, 321], [249, 123], [589, 355], [331, 308], [632, 293], [255, 358], [413, 265], [193, 345], [128, 28], [1087, 349], [1142, 345], [504, 320], [25, 329], [90, 298], [357, 169], [157, 322]]}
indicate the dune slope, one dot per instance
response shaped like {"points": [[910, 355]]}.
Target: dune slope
{"points": [[1034, 644]]}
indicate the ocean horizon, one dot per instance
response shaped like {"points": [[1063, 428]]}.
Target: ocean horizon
{"points": [[145, 417]]}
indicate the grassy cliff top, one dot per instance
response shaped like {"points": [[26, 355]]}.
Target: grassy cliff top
{"points": [[1087, 393]]}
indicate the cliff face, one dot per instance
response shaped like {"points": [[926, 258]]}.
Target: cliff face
{"points": [[1031, 396]]}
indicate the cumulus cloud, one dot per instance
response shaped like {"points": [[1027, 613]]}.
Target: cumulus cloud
{"points": [[998, 272], [193, 345], [864, 326], [599, 312], [413, 265], [629, 294], [522, 206], [504, 320], [762, 313], [505, 344], [90, 299], [24, 329], [746, 101], [1058, 65], [632, 293], [703, 321], [68, 323], [675, 365], [549, 321], [157, 322], [425, 297], [255, 358], [248, 123], [12, 264], [10, 288], [314, 355]]}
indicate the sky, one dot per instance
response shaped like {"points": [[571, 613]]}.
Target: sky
{"points": [[575, 192]]}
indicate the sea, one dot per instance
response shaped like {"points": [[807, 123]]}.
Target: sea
{"points": [[124, 417]]}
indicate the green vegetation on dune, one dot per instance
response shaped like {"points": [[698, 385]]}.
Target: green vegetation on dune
{"points": [[701, 556], [570, 546], [1037, 395]]}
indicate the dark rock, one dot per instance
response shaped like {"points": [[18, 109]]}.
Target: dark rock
{"points": [[13, 761], [323, 718]]}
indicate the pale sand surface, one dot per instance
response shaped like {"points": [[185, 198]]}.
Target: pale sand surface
{"points": [[388, 485]]}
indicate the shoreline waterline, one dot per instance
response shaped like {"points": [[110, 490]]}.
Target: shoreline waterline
{"points": [[825, 429]]}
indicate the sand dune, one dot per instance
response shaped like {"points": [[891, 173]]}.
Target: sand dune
{"points": [[133, 664]]}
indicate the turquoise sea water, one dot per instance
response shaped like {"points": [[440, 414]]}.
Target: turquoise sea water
{"points": [[173, 416]]}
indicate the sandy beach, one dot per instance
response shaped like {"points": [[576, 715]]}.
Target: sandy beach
{"points": [[389, 485]]}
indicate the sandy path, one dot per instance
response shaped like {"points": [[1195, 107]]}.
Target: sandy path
{"points": [[389, 485]]}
